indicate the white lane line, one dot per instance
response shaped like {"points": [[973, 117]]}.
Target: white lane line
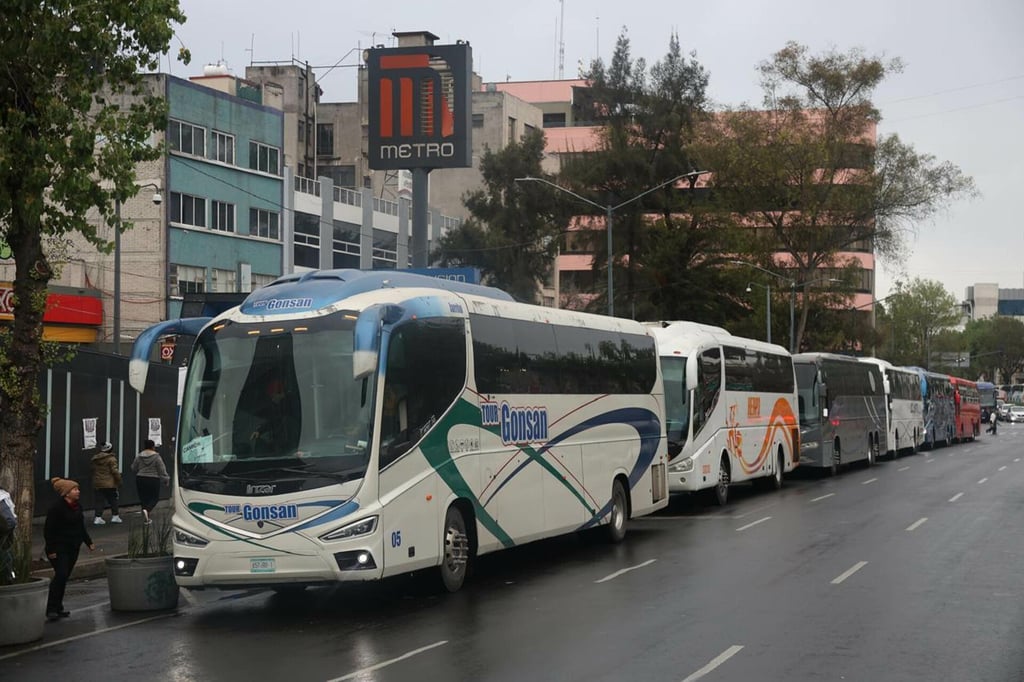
{"points": [[917, 523], [856, 567], [870, 480], [956, 497], [982, 480], [58, 642], [616, 574], [1017, 460], [902, 468], [819, 499], [384, 664], [1002, 467], [928, 459], [715, 662], [752, 524]]}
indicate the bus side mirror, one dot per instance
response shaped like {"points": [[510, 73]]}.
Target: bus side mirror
{"points": [[691, 372]]}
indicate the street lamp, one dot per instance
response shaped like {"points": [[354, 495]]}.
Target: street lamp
{"points": [[157, 199], [609, 209], [767, 308], [793, 285]]}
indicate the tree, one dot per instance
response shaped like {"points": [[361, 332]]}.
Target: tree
{"points": [[809, 174], [513, 233], [997, 347], [918, 312], [74, 121], [671, 244]]}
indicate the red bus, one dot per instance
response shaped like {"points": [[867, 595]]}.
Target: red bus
{"points": [[966, 408]]}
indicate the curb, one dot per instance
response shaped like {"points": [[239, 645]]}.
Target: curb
{"points": [[84, 570]]}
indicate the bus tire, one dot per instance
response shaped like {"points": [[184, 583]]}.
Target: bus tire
{"points": [[455, 557], [615, 530], [872, 450], [836, 462], [720, 492]]}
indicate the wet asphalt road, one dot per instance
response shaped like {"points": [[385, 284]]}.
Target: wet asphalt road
{"points": [[910, 570]]}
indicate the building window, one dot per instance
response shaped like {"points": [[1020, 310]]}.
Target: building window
{"points": [[223, 215], [512, 136], [266, 224], [478, 120], [190, 279], [187, 138], [188, 210], [554, 120], [325, 139], [259, 280], [264, 158], [224, 147], [302, 131], [224, 281]]}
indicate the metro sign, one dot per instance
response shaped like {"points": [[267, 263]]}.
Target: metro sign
{"points": [[420, 107]]}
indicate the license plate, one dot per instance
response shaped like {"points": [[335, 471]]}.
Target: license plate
{"points": [[261, 566]]}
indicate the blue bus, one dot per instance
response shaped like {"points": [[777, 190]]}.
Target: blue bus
{"points": [[939, 408]]}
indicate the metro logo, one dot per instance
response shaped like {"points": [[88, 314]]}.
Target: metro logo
{"points": [[419, 107]]}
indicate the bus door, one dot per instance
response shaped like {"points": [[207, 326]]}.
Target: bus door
{"points": [[812, 411]]}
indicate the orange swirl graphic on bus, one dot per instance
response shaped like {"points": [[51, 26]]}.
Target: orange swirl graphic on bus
{"points": [[782, 422]]}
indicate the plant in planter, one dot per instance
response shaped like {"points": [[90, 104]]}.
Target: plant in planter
{"points": [[143, 579], [22, 597]]}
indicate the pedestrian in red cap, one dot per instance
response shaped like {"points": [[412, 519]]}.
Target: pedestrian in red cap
{"points": [[64, 534]]}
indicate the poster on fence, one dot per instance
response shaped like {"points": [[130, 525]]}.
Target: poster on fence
{"points": [[155, 430], [89, 432]]}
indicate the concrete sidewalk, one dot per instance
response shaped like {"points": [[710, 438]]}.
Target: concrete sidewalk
{"points": [[110, 539]]}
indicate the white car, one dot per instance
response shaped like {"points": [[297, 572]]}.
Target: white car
{"points": [[1016, 413]]}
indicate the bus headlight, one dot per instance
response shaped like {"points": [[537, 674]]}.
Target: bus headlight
{"points": [[186, 538], [809, 445], [352, 530], [682, 466]]}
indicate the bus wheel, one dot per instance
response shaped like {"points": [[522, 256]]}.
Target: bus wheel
{"points": [[721, 489], [616, 528], [780, 463], [833, 468], [455, 561], [871, 450]]}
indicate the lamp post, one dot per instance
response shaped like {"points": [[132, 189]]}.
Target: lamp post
{"points": [[793, 284], [157, 199], [609, 209], [767, 308]]}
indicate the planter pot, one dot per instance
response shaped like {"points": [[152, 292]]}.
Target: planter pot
{"points": [[142, 584], [23, 611]]}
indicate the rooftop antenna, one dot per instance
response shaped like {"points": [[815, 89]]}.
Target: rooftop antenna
{"points": [[561, 42], [252, 48]]}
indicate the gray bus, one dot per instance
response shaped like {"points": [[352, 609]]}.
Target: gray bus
{"points": [[842, 410]]}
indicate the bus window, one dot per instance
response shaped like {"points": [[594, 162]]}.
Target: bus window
{"points": [[677, 407], [807, 393]]}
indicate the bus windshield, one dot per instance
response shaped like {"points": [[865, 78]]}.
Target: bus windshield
{"points": [[807, 392], [275, 399]]}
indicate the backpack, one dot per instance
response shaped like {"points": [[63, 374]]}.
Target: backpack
{"points": [[8, 521]]}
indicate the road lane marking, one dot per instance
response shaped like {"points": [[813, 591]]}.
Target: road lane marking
{"points": [[1002, 467], [902, 468], [1017, 460], [927, 459], [752, 524], [715, 662], [917, 523], [818, 499], [66, 640], [616, 574], [870, 480], [384, 664], [850, 571], [755, 510], [982, 480], [956, 497]]}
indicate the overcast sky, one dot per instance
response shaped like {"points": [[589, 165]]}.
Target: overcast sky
{"points": [[960, 97]]}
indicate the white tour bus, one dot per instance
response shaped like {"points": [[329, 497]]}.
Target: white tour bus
{"points": [[730, 408], [905, 415], [346, 425]]}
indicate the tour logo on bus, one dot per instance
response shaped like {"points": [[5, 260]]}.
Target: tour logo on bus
{"points": [[264, 512], [517, 425]]}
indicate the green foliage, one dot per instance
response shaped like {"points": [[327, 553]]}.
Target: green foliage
{"points": [[75, 118], [810, 173], [996, 346], [917, 313], [513, 235]]}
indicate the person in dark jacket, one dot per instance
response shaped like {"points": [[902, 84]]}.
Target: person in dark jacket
{"points": [[64, 534], [106, 479]]}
